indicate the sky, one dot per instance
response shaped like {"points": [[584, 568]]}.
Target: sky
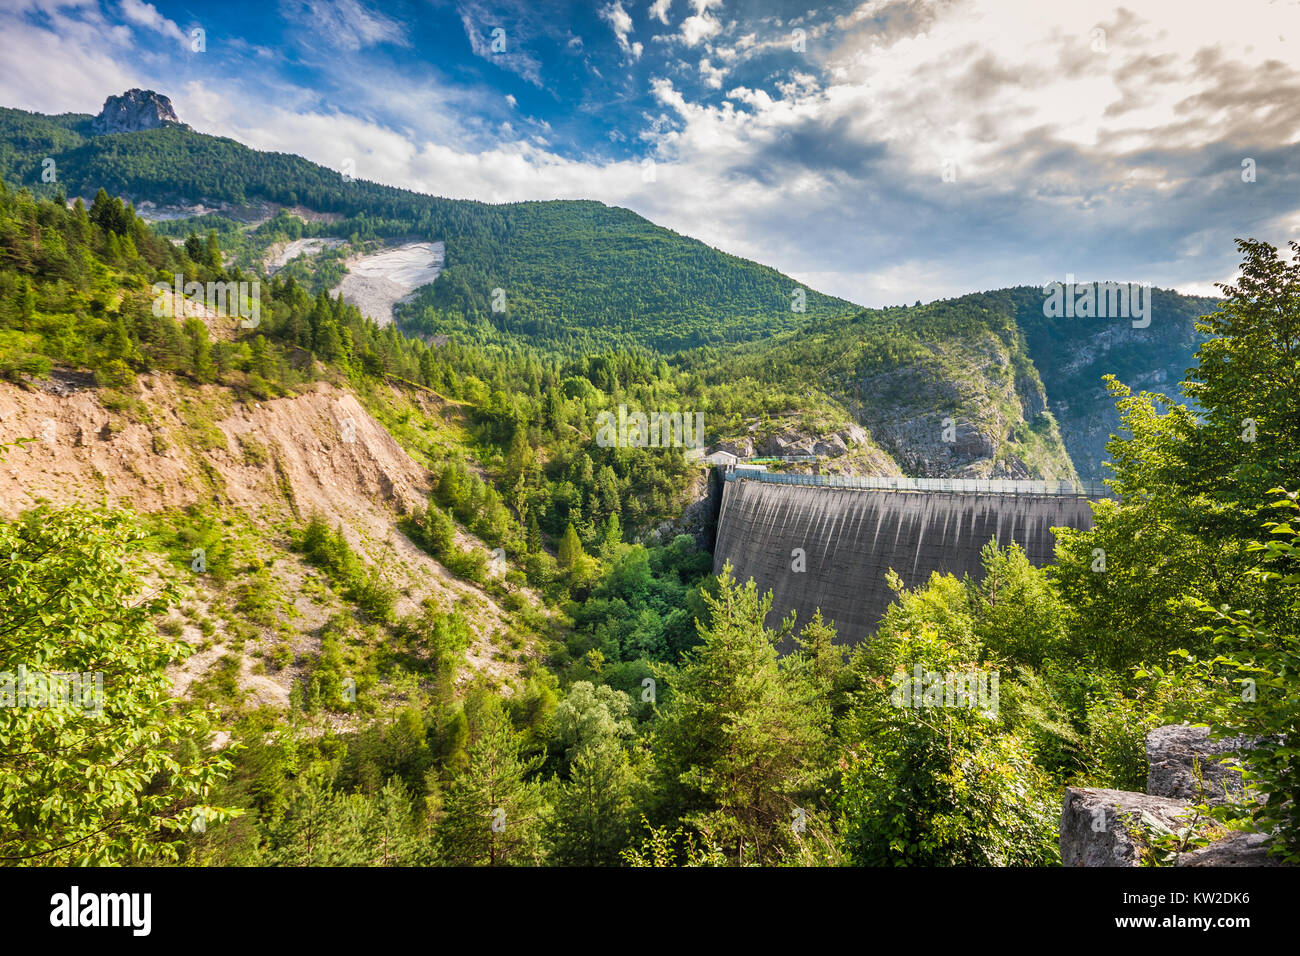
{"points": [[886, 151]]}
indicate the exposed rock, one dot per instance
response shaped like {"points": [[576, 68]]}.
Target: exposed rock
{"points": [[1011, 467], [1033, 400], [972, 443], [377, 282], [1238, 849], [796, 443], [832, 447], [1170, 752], [1105, 827], [777, 445], [856, 435], [135, 110], [62, 382], [741, 448]]}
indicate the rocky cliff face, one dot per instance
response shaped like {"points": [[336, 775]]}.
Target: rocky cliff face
{"points": [[1072, 355], [973, 407], [845, 448], [135, 110]]}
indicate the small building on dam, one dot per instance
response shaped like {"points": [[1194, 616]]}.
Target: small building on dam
{"points": [[852, 533]]}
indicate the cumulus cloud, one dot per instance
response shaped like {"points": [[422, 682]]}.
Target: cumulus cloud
{"points": [[702, 24], [621, 23], [711, 75], [659, 10], [147, 15]]}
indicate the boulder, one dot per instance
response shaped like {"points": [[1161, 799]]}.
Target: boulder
{"points": [[1107, 827], [741, 448], [1237, 849], [855, 435], [1172, 749], [779, 446], [831, 447]]}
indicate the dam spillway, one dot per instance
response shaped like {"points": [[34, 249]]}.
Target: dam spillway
{"points": [[852, 537]]}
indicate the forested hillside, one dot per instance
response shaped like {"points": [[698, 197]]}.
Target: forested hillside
{"points": [[576, 276], [1025, 392], [570, 279], [402, 607], [638, 712], [1073, 355]]}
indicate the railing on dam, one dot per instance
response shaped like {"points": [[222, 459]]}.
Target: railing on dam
{"points": [[968, 486]]}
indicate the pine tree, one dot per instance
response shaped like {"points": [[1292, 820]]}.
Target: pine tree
{"points": [[212, 253], [570, 552], [534, 533], [611, 541], [593, 808], [492, 812], [741, 739], [199, 350]]}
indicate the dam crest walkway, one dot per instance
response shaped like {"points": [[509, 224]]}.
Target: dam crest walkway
{"points": [[961, 486]]}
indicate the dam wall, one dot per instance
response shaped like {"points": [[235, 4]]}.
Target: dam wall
{"points": [[852, 537]]}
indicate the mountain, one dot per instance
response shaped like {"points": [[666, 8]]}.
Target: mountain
{"points": [[378, 574], [1072, 355], [981, 385], [577, 276], [1022, 393]]}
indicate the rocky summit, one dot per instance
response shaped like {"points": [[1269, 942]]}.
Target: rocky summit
{"points": [[135, 110]]}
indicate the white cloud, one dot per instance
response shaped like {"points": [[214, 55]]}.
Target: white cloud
{"points": [[702, 25], [621, 22], [710, 75], [347, 24], [147, 15], [499, 44], [70, 65], [659, 11]]}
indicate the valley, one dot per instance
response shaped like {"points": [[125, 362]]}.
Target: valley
{"points": [[369, 570]]}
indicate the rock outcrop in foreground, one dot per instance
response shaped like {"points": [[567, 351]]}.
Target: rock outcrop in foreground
{"points": [[1115, 827], [1101, 827]]}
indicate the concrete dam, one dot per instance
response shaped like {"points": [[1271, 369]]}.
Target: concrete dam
{"points": [[852, 536]]}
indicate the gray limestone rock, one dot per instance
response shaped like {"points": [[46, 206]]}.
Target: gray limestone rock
{"points": [[135, 110], [1108, 827], [1171, 751], [1238, 849]]}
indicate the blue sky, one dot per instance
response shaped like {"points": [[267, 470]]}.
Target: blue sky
{"points": [[886, 151]]}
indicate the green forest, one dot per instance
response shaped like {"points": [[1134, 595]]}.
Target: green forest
{"points": [[658, 725], [577, 274]]}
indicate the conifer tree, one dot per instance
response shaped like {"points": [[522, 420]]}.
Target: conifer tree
{"points": [[493, 813], [570, 552], [738, 743]]}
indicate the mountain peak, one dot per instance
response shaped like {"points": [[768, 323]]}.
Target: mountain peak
{"points": [[135, 110]]}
